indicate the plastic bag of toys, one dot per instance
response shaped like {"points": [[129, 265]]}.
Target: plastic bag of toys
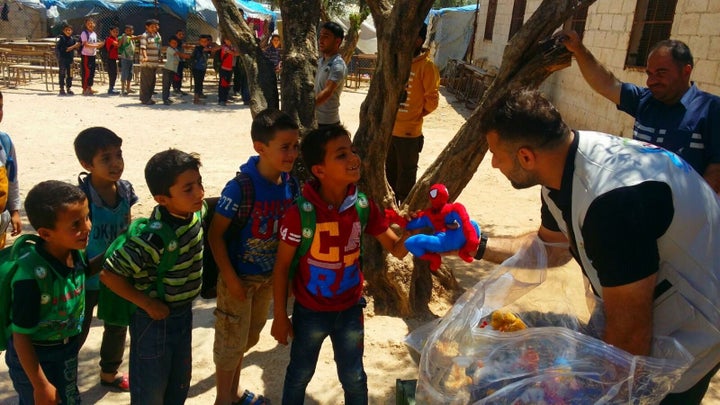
{"points": [[521, 337]]}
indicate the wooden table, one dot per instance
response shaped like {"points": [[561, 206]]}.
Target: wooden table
{"points": [[361, 66]]}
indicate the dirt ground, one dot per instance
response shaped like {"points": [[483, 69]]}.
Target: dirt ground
{"points": [[44, 125]]}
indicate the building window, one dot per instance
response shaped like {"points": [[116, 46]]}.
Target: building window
{"points": [[518, 17], [653, 22], [578, 20], [490, 20]]}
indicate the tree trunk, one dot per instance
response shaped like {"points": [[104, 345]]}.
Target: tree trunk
{"points": [[297, 79], [390, 281], [259, 71], [398, 287]]}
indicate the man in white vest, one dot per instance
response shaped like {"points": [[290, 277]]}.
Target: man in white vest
{"points": [[643, 225]]}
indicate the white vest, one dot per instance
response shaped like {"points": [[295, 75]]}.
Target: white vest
{"points": [[689, 250]]}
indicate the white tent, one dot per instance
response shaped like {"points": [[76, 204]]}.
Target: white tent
{"points": [[368, 36]]}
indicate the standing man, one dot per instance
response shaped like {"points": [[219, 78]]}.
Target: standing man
{"points": [[643, 228], [671, 111], [331, 72], [419, 99], [150, 45]]}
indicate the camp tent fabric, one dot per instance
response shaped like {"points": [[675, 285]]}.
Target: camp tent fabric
{"points": [[450, 30], [367, 42]]}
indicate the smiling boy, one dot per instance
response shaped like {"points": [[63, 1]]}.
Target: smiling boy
{"points": [[42, 352]]}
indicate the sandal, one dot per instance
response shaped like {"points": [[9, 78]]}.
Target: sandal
{"points": [[247, 399], [121, 383]]}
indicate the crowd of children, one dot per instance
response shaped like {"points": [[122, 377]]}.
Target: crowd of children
{"points": [[146, 52], [88, 244]]}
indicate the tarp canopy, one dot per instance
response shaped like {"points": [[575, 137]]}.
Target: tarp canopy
{"points": [[450, 32]]}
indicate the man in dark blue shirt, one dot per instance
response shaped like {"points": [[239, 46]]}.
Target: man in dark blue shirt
{"points": [[671, 112]]}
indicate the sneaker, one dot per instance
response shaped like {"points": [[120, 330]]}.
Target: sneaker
{"points": [[167, 102], [112, 92], [203, 96], [70, 92], [149, 102], [222, 103], [124, 93], [62, 92]]}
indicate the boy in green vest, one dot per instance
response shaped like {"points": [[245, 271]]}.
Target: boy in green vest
{"points": [[161, 327], [48, 296], [328, 283]]}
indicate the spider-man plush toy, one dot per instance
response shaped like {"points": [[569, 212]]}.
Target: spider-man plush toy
{"points": [[452, 229]]}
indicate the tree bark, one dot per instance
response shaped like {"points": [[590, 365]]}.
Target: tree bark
{"points": [[259, 71], [398, 287], [390, 281], [297, 79]]}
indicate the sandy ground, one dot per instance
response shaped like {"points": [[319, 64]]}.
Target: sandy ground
{"points": [[44, 125]]}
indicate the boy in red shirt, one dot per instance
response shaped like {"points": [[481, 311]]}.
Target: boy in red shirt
{"points": [[111, 46], [328, 282]]}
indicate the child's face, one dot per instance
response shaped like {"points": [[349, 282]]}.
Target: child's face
{"points": [[129, 31], [341, 164], [90, 25], [114, 32], [280, 153], [186, 194], [67, 31], [180, 34], [152, 28], [276, 42], [172, 43], [72, 227], [107, 164], [204, 42]]}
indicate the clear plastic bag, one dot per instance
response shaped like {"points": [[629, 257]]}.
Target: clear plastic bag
{"points": [[557, 359]]}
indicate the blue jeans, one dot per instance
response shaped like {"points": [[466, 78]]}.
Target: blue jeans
{"points": [[161, 357], [346, 331], [59, 363]]}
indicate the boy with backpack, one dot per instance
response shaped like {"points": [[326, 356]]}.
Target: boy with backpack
{"points": [[161, 326], [90, 46], [243, 238], [110, 199], [48, 296], [9, 186], [326, 280]]}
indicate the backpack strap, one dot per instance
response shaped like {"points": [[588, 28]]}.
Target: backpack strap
{"points": [[170, 251], [245, 205], [307, 226], [84, 184], [142, 226], [7, 145]]}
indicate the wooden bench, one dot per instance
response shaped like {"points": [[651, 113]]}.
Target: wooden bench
{"points": [[21, 64]]}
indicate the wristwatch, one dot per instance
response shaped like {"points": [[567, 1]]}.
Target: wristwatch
{"points": [[481, 247]]}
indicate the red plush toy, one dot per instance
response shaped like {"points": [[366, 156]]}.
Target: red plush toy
{"points": [[452, 229]]}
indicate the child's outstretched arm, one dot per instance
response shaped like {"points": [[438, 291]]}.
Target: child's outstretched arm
{"points": [[43, 391], [281, 325], [393, 243], [120, 286]]}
